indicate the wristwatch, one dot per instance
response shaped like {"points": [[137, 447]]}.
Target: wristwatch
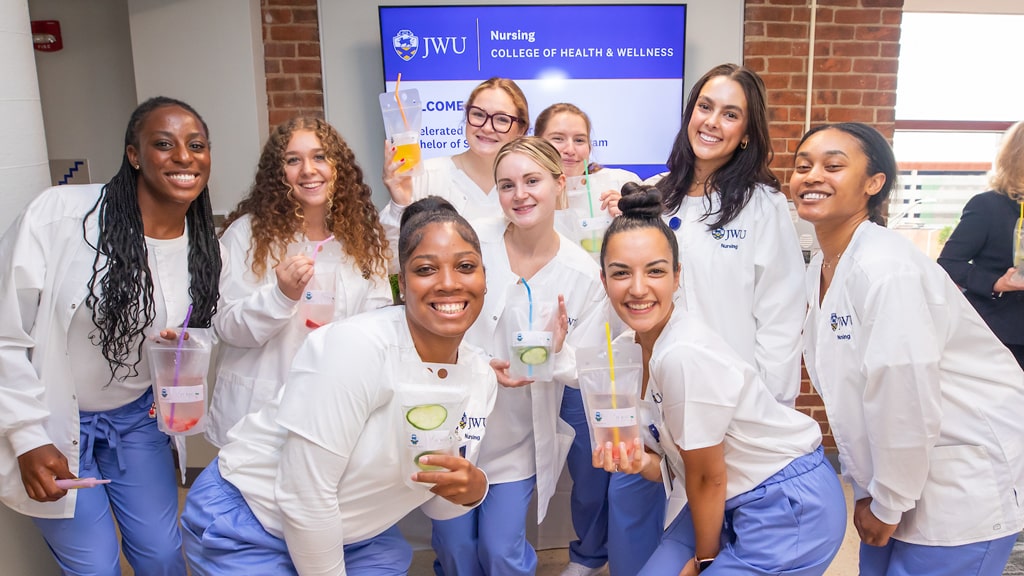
{"points": [[702, 565]]}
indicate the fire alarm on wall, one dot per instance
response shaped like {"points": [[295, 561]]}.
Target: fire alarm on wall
{"points": [[46, 35]]}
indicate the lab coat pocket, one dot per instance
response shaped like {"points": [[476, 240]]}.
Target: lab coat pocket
{"points": [[960, 502], [234, 397]]}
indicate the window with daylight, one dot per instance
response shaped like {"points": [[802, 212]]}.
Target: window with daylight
{"points": [[957, 91]]}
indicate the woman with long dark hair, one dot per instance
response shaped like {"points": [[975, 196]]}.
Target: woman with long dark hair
{"points": [[737, 243], [84, 272]]}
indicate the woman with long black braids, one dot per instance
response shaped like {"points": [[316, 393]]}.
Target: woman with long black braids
{"points": [[84, 271]]}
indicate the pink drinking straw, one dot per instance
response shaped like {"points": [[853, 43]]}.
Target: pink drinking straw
{"points": [[316, 249], [177, 357]]}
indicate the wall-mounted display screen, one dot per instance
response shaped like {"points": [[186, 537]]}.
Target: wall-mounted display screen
{"points": [[621, 64]]}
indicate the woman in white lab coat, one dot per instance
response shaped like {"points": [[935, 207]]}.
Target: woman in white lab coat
{"points": [[496, 113], [527, 443], [924, 403], [761, 498], [308, 188], [621, 531], [316, 480], [737, 243]]}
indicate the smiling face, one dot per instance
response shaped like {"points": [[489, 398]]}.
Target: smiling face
{"points": [[830, 184], [443, 283], [172, 157], [639, 279], [527, 192], [568, 133], [307, 171], [484, 140], [718, 124]]}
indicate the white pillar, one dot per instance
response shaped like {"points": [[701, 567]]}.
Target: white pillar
{"points": [[24, 168], [24, 173]]}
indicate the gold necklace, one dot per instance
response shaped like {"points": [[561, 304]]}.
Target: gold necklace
{"points": [[831, 264]]}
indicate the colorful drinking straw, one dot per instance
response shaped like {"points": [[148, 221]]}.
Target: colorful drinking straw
{"points": [[529, 300], [611, 369], [177, 359]]}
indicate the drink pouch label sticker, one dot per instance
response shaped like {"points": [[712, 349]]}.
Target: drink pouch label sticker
{"points": [[595, 224], [524, 339], [178, 394], [425, 440], [316, 297], [613, 417]]}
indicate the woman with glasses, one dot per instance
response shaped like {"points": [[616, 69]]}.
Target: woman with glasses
{"points": [[496, 113]]}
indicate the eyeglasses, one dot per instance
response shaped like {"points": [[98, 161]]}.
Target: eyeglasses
{"points": [[502, 123]]}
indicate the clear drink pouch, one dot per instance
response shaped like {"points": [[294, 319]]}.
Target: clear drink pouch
{"points": [[590, 222], [611, 403], [317, 302], [179, 381], [403, 113], [532, 319], [433, 400]]}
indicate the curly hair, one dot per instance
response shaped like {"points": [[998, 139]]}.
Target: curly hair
{"points": [[277, 218], [121, 287]]}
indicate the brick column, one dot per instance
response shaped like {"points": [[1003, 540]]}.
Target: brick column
{"points": [[856, 51], [291, 48]]}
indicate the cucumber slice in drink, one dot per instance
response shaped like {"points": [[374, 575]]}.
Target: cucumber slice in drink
{"points": [[534, 355], [427, 467], [427, 416]]}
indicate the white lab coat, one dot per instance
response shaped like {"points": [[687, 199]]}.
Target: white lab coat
{"points": [[259, 333], [924, 403], [744, 282], [343, 396], [441, 177], [572, 273], [45, 266]]}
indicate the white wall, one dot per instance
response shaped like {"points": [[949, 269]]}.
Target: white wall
{"points": [[88, 88], [209, 54], [351, 60]]}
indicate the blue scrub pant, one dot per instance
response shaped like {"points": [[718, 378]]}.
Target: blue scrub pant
{"points": [[223, 538], [125, 446], [900, 558], [636, 521], [491, 538], [589, 497], [792, 523]]}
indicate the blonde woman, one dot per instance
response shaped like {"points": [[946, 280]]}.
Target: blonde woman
{"points": [[979, 255]]}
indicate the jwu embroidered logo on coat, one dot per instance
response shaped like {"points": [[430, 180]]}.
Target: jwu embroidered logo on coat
{"points": [[472, 427], [730, 238], [842, 325]]}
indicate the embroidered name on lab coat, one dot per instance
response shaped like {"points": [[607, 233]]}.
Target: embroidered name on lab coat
{"points": [[729, 237], [842, 326]]}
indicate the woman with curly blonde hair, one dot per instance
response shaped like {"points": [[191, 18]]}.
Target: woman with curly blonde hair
{"points": [[979, 255], [308, 193]]}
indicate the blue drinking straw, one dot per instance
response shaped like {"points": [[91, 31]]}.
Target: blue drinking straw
{"points": [[529, 299]]}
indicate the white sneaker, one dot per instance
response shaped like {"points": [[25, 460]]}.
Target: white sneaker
{"points": [[575, 569]]}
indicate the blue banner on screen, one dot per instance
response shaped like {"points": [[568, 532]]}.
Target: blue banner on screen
{"points": [[623, 65]]}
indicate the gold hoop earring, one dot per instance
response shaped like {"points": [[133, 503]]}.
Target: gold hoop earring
{"points": [[743, 145]]}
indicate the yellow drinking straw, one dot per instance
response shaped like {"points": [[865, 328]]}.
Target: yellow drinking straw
{"points": [[611, 369], [399, 101]]}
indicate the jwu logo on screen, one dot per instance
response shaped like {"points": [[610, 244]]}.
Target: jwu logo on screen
{"points": [[407, 45]]}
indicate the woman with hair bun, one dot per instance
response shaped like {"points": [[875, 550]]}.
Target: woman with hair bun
{"points": [[761, 497], [308, 189]]}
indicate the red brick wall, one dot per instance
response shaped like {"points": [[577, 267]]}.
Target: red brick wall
{"points": [[856, 50], [291, 52]]}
